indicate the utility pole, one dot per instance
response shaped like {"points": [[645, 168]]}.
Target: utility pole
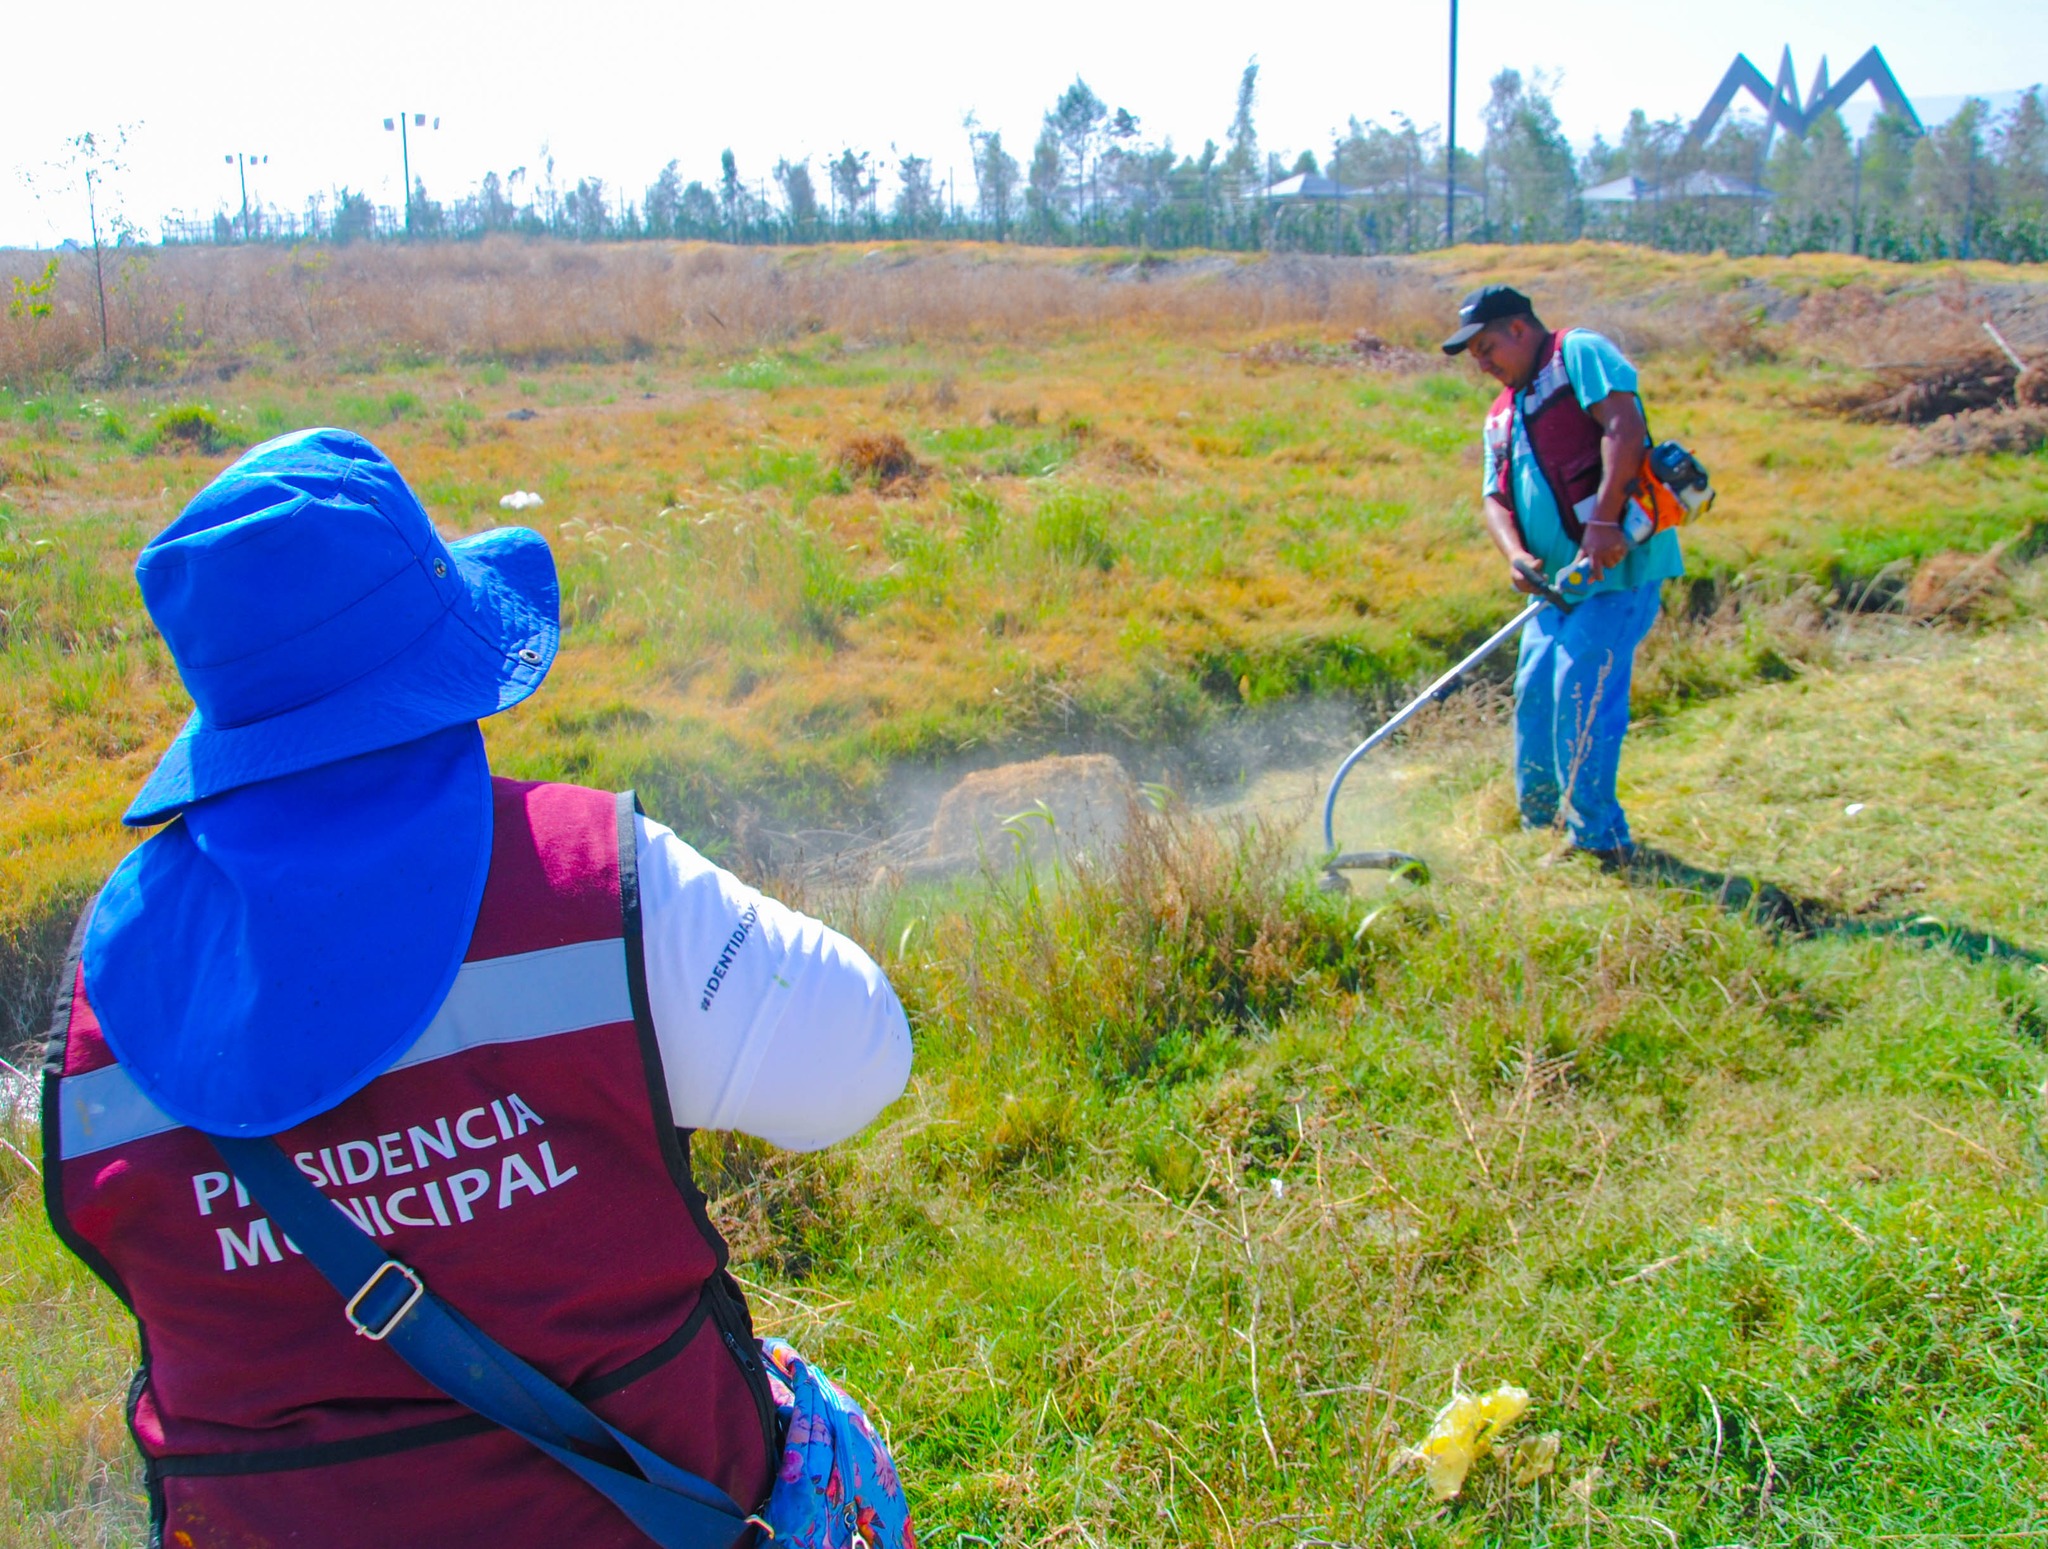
{"points": [[419, 121], [1451, 142], [242, 163], [405, 162]]}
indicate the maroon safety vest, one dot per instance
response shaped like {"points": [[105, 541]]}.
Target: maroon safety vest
{"points": [[1563, 436], [521, 1155]]}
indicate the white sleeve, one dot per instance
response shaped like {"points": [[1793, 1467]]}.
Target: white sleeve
{"points": [[769, 1022]]}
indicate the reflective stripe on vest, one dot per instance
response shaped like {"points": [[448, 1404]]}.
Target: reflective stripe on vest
{"points": [[521, 1155], [498, 1000]]}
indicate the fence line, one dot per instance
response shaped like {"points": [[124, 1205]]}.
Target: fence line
{"points": [[1351, 228]]}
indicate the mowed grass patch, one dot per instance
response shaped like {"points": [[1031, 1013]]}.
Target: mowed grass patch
{"points": [[1903, 792], [1210, 1186]]}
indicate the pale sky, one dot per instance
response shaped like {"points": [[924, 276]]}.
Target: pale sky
{"points": [[616, 89]]}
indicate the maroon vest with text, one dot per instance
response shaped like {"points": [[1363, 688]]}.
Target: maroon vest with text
{"points": [[1564, 438], [520, 1155]]}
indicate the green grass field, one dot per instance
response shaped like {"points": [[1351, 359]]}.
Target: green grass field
{"points": [[1210, 1187]]}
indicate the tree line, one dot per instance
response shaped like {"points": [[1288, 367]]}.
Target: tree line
{"points": [[1975, 186]]}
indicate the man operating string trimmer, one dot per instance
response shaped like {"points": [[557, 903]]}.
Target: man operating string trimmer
{"points": [[1584, 509], [1566, 448]]}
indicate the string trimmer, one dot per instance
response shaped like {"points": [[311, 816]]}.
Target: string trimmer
{"points": [[1562, 593], [1671, 489]]}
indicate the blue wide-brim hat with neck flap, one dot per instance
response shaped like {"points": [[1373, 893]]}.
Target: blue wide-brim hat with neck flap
{"points": [[298, 922]]}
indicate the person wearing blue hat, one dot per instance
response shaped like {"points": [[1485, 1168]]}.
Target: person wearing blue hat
{"points": [[359, 1003], [1564, 443]]}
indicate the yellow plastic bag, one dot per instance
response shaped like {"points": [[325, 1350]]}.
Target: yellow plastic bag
{"points": [[1463, 1432]]}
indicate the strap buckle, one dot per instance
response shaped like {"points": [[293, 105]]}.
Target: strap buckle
{"points": [[404, 1272]]}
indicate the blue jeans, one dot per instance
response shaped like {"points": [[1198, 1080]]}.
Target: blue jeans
{"points": [[1571, 711]]}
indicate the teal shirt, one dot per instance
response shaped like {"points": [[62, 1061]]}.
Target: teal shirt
{"points": [[1596, 368]]}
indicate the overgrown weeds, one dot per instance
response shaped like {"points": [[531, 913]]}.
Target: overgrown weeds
{"points": [[216, 313], [540, 304], [1191, 932], [192, 427], [1072, 526]]}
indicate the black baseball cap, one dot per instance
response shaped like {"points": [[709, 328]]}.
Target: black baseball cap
{"points": [[1488, 304]]}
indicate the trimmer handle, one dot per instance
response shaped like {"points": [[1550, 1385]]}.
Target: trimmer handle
{"points": [[1568, 590]]}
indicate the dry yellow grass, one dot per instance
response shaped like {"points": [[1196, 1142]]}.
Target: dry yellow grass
{"points": [[547, 301], [205, 311]]}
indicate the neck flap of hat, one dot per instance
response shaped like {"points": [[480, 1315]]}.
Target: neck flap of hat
{"points": [[278, 947]]}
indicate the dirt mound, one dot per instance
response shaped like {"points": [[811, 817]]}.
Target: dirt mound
{"points": [[1979, 430], [1364, 349], [884, 461], [1122, 455], [1954, 586], [1935, 393], [1372, 351], [1088, 797]]}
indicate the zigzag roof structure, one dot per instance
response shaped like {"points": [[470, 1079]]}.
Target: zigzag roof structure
{"points": [[1780, 100]]}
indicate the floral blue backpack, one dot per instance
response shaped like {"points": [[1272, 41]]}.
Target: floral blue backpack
{"points": [[837, 1486]]}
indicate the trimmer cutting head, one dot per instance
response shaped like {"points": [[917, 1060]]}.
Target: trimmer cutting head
{"points": [[1400, 862], [1409, 868]]}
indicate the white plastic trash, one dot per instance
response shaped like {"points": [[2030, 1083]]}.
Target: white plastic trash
{"points": [[519, 500]]}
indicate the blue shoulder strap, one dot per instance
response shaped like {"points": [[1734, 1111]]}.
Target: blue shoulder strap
{"points": [[387, 1301]]}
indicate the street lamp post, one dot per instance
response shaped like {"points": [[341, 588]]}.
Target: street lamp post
{"points": [[419, 121], [242, 162], [1451, 141]]}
